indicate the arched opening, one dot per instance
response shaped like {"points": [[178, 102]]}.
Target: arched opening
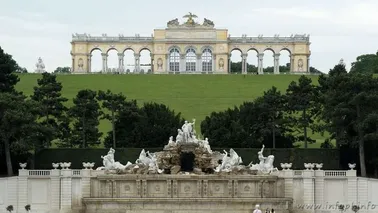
{"points": [[236, 61], [112, 62], [96, 61], [187, 161], [268, 61], [285, 61], [252, 61], [174, 60], [145, 61], [207, 60], [190, 60], [129, 61]]}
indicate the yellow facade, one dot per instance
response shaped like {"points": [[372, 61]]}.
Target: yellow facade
{"points": [[212, 49]]}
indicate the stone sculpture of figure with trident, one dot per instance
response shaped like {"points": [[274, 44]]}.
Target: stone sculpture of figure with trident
{"points": [[261, 157]]}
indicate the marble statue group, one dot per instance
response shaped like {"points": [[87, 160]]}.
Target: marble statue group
{"points": [[155, 163]]}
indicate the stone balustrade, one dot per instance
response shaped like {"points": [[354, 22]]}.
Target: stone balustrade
{"points": [[66, 190]]}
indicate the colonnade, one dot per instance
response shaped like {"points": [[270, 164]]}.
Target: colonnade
{"points": [[121, 64], [260, 63]]}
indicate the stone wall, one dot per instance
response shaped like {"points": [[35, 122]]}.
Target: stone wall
{"points": [[63, 190]]}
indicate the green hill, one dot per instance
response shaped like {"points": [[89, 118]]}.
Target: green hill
{"points": [[195, 96]]}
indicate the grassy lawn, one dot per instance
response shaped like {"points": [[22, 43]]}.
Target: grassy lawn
{"points": [[195, 96]]}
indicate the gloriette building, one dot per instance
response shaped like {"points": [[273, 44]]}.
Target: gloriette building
{"points": [[189, 48]]}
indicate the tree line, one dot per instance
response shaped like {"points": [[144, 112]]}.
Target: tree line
{"points": [[342, 104]]}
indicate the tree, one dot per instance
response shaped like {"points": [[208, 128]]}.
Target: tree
{"points": [[148, 126], [349, 105], [62, 70], [113, 103], [8, 67], [18, 124], [302, 98], [86, 113], [21, 70], [367, 63], [272, 108], [53, 115]]}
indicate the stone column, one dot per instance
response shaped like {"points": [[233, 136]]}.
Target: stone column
{"points": [[167, 63], [86, 182], [22, 190], [292, 63], [66, 190], [73, 65], [152, 62], [55, 189], [182, 62], [229, 63], [120, 62], [260, 66], [214, 63], [244, 63], [308, 64], [308, 188], [277, 63], [353, 187], [104, 62], [199, 67], [137, 62], [89, 62], [319, 188]]}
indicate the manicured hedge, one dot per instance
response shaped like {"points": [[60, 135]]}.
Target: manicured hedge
{"points": [[329, 157]]}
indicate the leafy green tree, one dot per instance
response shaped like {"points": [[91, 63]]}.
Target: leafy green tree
{"points": [[85, 114], [367, 63], [148, 126], [349, 104], [18, 125], [113, 103], [272, 107], [62, 70], [22, 70], [53, 115], [301, 98], [8, 67]]}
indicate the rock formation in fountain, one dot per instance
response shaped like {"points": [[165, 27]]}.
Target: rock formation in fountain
{"points": [[189, 154]]}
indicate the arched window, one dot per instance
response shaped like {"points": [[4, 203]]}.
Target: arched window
{"points": [[174, 60], [191, 60], [207, 60]]}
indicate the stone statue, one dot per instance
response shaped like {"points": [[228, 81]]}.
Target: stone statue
{"points": [[208, 23], [206, 145], [221, 64], [266, 163], [300, 65], [149, 160], [110, 164], [160, 64], [190, 17], [341, 62], [173, 22], [229, 163], [40, 66], [180, 136], [188, 131]]}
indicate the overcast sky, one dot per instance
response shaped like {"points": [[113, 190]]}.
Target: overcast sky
{"points": [[43, 28]]}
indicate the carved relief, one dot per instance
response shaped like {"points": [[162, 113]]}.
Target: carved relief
{"points": [[160, 64], [187, 188], [81, 64], [157, 188], [217, 188], [300, 65], [221, 63], [247, 188]]}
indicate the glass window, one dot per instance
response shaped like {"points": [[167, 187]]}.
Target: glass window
{"points": [[207, 60], [174, 60], [191, 60]]}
